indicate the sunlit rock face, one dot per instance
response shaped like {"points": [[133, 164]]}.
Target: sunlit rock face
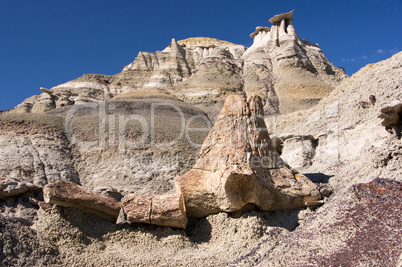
{"points": [[289, 73]]}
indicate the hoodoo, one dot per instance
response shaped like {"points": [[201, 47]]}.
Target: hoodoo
{"points": [[289, 73]]}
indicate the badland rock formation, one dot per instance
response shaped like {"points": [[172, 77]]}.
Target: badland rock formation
{"points": [[119, 140], [287, 72]]}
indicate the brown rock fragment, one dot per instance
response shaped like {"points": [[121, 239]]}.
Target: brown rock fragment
{"points": [[44, 206], [137, 207], [163, 210], [68, 194]]}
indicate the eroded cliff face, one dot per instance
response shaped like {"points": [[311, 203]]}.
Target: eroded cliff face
{"points": [[136, 144], [35, 149], [288, 73]]}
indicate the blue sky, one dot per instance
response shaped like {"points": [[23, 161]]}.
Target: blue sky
{"points": [[49, 42]]}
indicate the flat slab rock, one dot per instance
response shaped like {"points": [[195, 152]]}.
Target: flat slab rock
{"points": [[11, 187]]}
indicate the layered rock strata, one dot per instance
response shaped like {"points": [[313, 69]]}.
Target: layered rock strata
{"points": [[34, 149], [138, 143], [289, 73], [238, 166]]}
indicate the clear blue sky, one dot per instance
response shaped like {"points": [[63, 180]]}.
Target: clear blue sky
{"points": [[49, 42]]}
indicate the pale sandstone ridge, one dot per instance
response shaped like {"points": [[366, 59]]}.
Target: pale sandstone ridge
{"points": [[204, 41], [238, 167], [320, 138]]}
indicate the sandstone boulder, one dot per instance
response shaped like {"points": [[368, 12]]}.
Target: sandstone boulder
{"points": [[238, 166], [298, 151], [68, 194], [163, 210]]}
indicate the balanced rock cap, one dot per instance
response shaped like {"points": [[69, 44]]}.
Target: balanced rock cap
{"points": [[278, 18], [259, 29]]}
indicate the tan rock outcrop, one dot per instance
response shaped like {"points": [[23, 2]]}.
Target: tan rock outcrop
{"points": [[238, 166], [392, 114], [204, 41], [68, 194], [34, 149], [12, 187], [163, 210], [44, 103]]}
